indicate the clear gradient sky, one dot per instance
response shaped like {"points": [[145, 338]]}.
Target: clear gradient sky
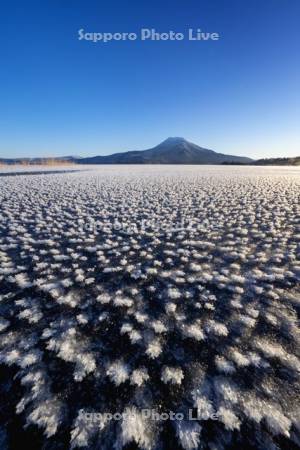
{"points": [[62, 96]]}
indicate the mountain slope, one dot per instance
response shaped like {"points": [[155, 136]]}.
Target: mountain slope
{"points": [[171, 151]]}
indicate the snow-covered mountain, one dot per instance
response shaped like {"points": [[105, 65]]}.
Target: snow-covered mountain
{"points": [[174, 150]]}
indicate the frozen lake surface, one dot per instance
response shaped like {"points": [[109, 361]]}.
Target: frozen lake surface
{"points": [[168, 288]]}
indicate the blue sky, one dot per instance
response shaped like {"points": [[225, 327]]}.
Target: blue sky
{"points": [[61, 96]]}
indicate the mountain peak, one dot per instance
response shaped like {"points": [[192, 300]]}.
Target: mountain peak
{"points": [[174, 140]]}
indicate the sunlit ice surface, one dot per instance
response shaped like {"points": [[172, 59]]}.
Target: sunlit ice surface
{"points": [[164, 288]]}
